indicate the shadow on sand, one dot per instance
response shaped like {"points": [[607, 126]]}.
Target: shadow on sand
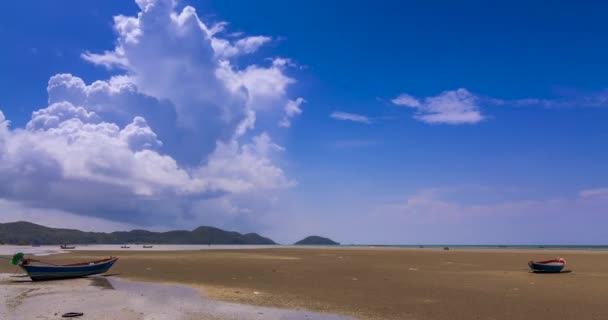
{"points": [[550, 272]]}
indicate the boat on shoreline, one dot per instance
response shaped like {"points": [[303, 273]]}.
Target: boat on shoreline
{"points": [[47, 271], [147, 247], [66, 247], [548, 266], [125, 247]]}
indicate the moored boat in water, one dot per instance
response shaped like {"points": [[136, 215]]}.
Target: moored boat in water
{"points": [[549, 266]]}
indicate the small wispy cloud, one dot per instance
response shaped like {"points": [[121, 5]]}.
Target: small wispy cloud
{"points": [[572, 99], [599, 192], [463, 107], [345, 116], [449, 107], [292, 109], [406, 100]]}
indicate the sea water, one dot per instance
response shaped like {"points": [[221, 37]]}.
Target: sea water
{"points": [[9, 250]]}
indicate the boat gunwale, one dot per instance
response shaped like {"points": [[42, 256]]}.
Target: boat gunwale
{"points": [[80, 264], [90, 263], [550, 262]]}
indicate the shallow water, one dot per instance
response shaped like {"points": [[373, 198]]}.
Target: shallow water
{"points": [[189, 301], [8, 250], [105, 297], [46, 250]]}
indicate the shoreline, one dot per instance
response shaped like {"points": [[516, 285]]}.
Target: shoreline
{"points": [[379, 283], [46, 250]]}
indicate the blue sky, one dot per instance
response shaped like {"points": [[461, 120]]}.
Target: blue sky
{"points": [[500, 135]]}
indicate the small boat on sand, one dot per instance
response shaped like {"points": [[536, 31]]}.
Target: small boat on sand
{"points": [[48, 271], [66, 247], [147, 247], [125, 247], [548, 266]]}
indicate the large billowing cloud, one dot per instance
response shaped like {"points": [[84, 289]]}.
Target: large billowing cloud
{"points": [[173, 138], [174, 56]]}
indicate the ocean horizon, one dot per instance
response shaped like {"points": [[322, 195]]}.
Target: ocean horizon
{"points": [[8, 249]]}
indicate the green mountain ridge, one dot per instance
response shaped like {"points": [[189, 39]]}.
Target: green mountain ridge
{"points": [[23, 232]]}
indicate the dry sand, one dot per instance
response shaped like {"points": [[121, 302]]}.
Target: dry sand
{"points": [[382, 283]]}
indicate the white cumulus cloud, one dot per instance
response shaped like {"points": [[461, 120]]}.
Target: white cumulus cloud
{"points": [[406, 100], [174, 130], [225, 49], [449, 107]]}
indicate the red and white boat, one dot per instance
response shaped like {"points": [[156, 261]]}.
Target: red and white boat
{"points": [[555, 265]]}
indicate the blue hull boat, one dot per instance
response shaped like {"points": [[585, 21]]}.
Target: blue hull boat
{"points": [[76, 270], [548, 266]]}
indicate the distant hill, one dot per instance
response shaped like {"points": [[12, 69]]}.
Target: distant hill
{"points": [[316, 240], [29, 233]]}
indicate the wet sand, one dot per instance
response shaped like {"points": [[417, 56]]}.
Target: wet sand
{"points": [[381, 283], [100, 297]]}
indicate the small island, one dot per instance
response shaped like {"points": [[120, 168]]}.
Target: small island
{"points": [[316, 241]]}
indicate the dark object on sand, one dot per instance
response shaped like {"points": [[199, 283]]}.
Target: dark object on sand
{"points": [[72, 315], [548, 266], [66, 247], [125, 247], [446, 248], [49, 271], [147, 247]]}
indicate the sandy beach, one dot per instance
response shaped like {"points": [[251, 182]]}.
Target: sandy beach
{"points": [[373, 283]]}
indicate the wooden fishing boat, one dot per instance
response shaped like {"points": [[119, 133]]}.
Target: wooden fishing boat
{"points": [[47, 271], [66, 247], [549, 266]]}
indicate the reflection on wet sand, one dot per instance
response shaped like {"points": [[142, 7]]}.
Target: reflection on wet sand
{"points": [[101, 282], [106, 297]]}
